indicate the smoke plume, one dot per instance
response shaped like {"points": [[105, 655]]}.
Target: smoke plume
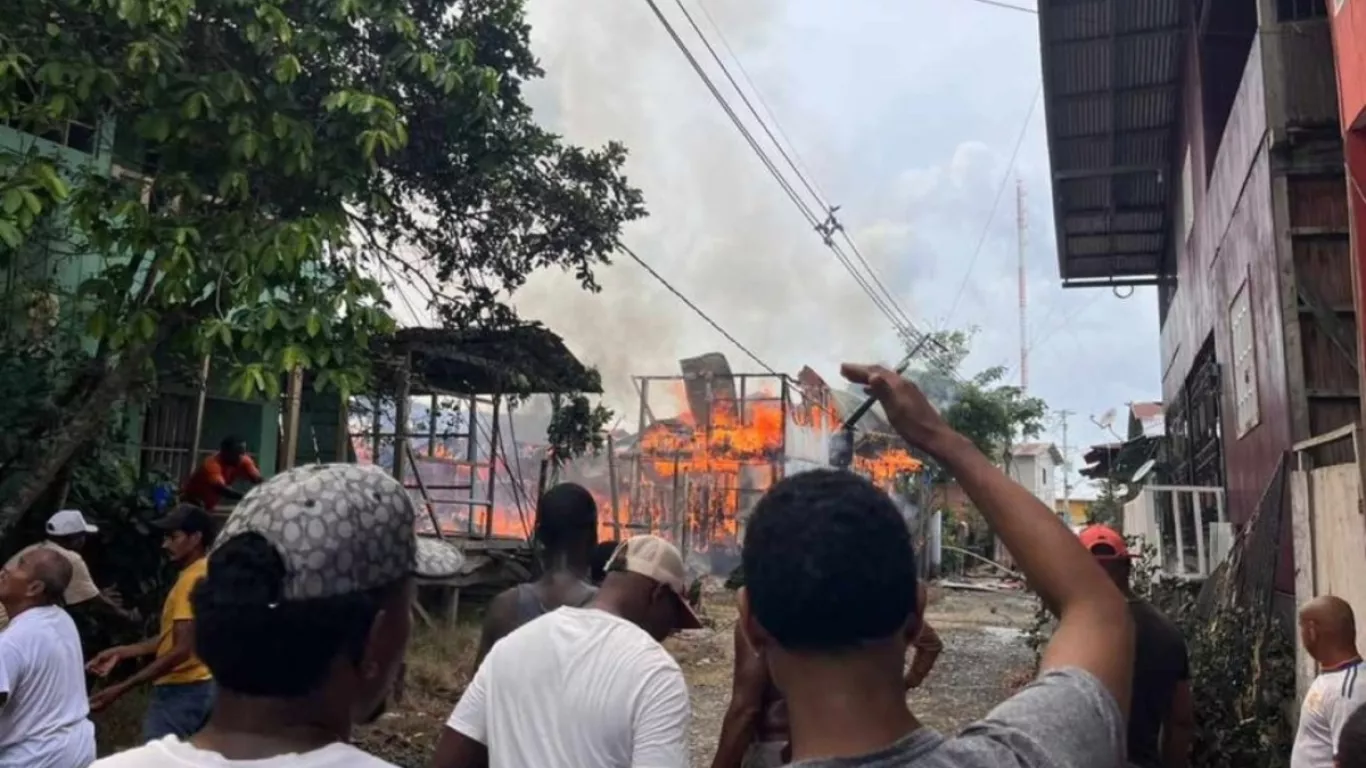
{"points": [[721, 230]]}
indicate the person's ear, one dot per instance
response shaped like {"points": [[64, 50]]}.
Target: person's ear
{"points": [[758, 637], [33, 588]]}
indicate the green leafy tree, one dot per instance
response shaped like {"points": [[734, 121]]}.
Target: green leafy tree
{"points": [[990, 413], [294, 156]]}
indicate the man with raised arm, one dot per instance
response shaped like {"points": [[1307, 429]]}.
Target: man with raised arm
{"points": [[830, 604]]}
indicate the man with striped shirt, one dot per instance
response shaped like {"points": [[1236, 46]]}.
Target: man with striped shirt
{"points": [[1328, 631]]}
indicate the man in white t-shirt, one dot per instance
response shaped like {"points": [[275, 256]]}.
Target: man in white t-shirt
{"points": [[44, 715], [1328, 632], [66, 534], [585, 687], [303, 617]]}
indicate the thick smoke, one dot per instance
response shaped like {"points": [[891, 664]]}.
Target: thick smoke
{"points": [[720, 228]]}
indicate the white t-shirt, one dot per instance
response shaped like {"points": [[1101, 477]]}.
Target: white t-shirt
{"points": [[1332, 697], [578, 688], [171, 752], [44, 719]]}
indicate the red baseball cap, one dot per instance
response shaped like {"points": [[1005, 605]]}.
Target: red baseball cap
{"points": [[1093, 536]]}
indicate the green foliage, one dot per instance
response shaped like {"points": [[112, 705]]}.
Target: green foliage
{"points": [[990, 413], [1108, 508], [577, 427], [294, 157]]}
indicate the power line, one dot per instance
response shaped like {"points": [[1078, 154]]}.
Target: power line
{"points": [[698, 310], [1008, 6], [996, 202], [829, 226]]}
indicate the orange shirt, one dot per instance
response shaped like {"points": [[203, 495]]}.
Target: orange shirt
{"points": [[202, 486]]}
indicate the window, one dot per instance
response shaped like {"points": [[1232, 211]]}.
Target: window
{"points": [[1227, 29], [1247, 409], [1043, 478], [1303, 10]]}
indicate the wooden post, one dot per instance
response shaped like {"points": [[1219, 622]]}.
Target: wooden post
{"points": [[676, 514], [541, 480], [684, 538], [471, 456], [294, 399], [402, 404], [612, 480], [493, 466], [201, 397], [638, 463], [342, 449], [431, 426]]}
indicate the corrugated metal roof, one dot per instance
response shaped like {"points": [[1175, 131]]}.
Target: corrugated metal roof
{"points": [[1112, 75]]}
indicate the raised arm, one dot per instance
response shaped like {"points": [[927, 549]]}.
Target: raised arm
{"points": [[1095, 630]]}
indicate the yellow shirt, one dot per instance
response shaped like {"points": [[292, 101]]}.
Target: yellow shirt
{"points": [[178, 608]]}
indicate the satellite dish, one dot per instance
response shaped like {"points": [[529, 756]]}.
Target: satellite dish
{"points": [[1107, 419], [1144, 470]]}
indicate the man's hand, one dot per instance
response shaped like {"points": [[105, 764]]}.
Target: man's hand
{"points": [[909, 412], [112, 596], [106, 696], [105, 661]]}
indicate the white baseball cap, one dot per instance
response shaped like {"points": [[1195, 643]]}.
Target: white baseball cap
{"points": [[69, 522], [656, 559]]}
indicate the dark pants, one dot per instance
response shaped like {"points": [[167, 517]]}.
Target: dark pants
{"points": [[177, 709]]}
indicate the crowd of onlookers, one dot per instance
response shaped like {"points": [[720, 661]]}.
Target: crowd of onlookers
{"points": [[288, 627]]}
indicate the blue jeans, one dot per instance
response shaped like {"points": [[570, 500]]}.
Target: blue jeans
{"points": [[177, 709]]}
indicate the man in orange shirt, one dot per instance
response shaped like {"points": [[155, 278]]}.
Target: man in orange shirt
{"points": [[213, 480], [182, 687]]}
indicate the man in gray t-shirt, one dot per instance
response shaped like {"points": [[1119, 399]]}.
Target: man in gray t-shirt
{"points": [[830, 603]]}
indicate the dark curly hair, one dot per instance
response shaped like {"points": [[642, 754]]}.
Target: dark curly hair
{"points": [[255, 642], [1352, 741], [828, 563], [566, 516]]}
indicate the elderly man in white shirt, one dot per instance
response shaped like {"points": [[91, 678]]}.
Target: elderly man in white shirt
{"points": [[44, 710]]}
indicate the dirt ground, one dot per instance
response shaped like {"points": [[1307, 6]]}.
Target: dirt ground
{"points": [[983, 655]]}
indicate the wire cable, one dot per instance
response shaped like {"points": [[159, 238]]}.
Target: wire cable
{"points": [[1008, 6], [696, 309], [995, 203], [831, 225]]}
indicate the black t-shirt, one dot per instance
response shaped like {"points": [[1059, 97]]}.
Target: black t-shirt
{"points": [[1160, 662]]}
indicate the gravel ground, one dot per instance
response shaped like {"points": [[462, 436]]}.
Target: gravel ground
{"points": [[983, 656]]}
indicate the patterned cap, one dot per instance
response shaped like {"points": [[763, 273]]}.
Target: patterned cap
{"points": [[341, 529]]}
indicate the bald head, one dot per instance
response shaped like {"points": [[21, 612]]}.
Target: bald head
{"points": [[1328, 629], [1331, 614], [49, 569]]}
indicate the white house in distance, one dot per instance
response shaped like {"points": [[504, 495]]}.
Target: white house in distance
{"points": [[1036, 467]]}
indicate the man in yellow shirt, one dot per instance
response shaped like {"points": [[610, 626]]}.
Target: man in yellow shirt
{"points": [[182, 687]]}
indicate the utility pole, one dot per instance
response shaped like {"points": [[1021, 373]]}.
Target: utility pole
{"points": [[1066, 467], [1021, 224]]}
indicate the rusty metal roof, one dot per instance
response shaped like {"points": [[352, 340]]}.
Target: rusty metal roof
{"points": [[1112, 74]]}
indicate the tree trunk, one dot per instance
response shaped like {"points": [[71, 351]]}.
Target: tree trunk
{"points": [[73, 432]]}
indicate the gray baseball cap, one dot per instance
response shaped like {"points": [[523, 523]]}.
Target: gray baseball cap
{"points": [[340, 529]]}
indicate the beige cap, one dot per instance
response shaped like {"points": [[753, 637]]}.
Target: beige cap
{"points": [[656, 559]]}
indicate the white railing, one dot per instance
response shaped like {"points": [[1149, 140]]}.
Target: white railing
{"points": [[1184, 527]]}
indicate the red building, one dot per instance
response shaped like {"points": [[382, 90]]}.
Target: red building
{"points": [[1349, 45], [1195, 147]]}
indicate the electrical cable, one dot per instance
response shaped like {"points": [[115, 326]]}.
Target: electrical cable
{"points": [[826, 227], [995, 203]]}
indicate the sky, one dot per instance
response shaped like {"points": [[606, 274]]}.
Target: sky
{"points": [[905, 115]]}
